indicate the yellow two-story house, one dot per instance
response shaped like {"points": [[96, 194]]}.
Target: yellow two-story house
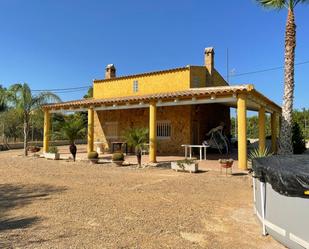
{"points": [[178, 106]]}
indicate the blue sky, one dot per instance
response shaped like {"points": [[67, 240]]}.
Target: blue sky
{"points": [[61, 44]]}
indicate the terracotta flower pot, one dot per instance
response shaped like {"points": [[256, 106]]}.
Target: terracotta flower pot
{"points": [[94, 160], [227, 165]]}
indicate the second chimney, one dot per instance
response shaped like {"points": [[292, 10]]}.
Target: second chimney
{"points": [[110, 71], [210, 59]]}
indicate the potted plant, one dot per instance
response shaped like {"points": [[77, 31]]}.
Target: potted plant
{"points": [[118, 158], [71, 130], [137, 138], [52, 153], [185, 165], [257, 153], [93, 157], [226, 164]]}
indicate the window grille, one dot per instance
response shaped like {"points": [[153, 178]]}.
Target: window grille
{"points": [[111, 129], [163, 129]]}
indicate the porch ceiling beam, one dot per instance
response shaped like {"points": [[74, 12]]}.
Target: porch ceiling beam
{"points": [[121, 107], [160, 103], [198, 101], [69, 110], [259, 103], [169, 103]]}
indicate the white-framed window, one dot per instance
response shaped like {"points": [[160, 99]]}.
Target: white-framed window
{"points": [[111, 129], [164, 129], [135, 86]]}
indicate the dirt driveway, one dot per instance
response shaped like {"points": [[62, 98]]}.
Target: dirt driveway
{"points": [[58, 204]]}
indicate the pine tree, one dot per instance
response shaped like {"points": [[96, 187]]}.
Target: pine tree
{"points": [[299, 143]]}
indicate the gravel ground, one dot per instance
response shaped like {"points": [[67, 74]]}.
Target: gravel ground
{"points": [[59, 204]]}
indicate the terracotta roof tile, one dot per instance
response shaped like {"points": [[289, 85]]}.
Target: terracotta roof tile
{"points": [[193, 92]]}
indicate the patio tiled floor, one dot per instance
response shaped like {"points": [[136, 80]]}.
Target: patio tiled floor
{"points": [[210, 164]]}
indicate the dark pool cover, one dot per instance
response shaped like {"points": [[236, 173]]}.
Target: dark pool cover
{"points": [[288, 175]]}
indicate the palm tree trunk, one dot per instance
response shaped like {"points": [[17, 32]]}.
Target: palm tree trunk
{"points": [[25, 138], [26, 131], [285, 140]]}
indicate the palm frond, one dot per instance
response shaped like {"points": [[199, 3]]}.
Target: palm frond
{"points": [[137, 137], [71, 130], [13, 92], [300, 1], [256, 153], [279, 4], [21, 97], [44, 98], [273, 4]]}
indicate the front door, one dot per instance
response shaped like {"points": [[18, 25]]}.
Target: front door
{"points": [[195, 132]]}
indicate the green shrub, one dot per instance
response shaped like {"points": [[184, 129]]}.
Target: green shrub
{"points": [[118, 156], [298, 140], [182, 163], [186, 161], [53, 149], [93, 155]]}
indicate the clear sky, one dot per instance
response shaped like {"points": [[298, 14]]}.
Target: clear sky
{"points": [[67, 43]]}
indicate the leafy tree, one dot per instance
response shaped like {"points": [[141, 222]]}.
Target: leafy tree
{"points": [[21, 98], [89, 93], [3, 99], [253, 126], [299, 143], [36, 125], [84, 115], [137, 138], [11, 124], [285, 139], [302, 118], [57, 120]]}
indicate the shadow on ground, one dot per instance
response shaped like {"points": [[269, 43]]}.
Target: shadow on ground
{"points": [[239, 174], [14, 196]]}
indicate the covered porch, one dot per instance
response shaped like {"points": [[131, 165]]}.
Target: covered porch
{"points": [[242, 97]]}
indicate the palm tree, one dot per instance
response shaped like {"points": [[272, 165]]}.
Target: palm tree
{"points": [[89, 93], [72, 129], [137, 138], [285, 139], [21, 97], [3, 99]]}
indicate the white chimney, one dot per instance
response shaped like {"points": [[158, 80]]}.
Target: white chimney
{"points": [[110, 71]]}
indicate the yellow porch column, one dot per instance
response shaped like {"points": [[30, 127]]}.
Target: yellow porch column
{"points": [[242, 131], [90, 130], [262, 129], [274, 131], [153, 132], [46, 130]]}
